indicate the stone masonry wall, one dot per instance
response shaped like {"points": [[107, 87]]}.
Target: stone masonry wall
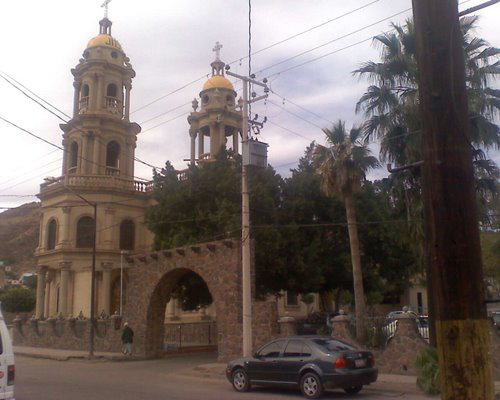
{"points": [[495, 353]]}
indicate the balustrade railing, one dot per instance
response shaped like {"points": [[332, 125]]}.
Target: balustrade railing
{"points": [[103, 181], [113, 105], [84, 105]]}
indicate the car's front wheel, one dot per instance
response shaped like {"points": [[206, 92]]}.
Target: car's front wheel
{"points": [[311, 386], [240, 381], [353, 389]]}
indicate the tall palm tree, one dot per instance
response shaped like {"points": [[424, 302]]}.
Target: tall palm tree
{"points": [[342, 166]]}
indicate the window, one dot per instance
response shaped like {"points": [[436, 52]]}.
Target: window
{"points": [[127, 235], [85, 232], [333, 345], [51, 234], [112, 90], [272, 350], [114, 54], [113, 154], [297, 348], [85, 90], [73, 155], [205, 99], [292, 298]]}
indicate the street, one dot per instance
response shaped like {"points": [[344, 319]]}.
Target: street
{"points": [[41, 379]]}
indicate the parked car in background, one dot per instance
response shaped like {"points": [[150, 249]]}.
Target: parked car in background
{"points": [[422, 325], [312, 363]]}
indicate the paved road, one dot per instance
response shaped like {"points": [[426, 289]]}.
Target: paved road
{"points": [[40, 379]]}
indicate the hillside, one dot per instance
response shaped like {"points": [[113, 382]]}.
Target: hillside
{"points": [[19, 236]]}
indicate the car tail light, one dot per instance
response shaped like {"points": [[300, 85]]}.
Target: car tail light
{"points": [[371, 360], [11, 374], [340, 362]]}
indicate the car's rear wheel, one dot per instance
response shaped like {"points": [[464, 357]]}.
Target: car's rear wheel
{"points": [[311, 386], [240, 381], [353, 389]]}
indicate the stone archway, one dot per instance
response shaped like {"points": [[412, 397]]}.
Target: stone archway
{"points": [[152, 277]]}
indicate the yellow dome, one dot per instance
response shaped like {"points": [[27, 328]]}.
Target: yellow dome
{"points": [[104, 40], [218, 81]]}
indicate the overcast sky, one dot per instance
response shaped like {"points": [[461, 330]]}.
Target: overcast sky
{"points": [[170, 44]]}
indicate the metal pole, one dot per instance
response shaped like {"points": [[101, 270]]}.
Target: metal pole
{"points": [[121, 282], [92, 288], [245, 237]]}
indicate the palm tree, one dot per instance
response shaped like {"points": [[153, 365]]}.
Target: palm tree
{"points": [[342, 166]]}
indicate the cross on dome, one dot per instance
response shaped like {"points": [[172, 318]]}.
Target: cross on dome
{"points": [[105, 5], [216, 49]]}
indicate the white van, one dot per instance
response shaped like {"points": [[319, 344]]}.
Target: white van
{"points": [[7, 365]]}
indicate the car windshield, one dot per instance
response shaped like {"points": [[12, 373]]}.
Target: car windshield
{"points": [[332, 344]]}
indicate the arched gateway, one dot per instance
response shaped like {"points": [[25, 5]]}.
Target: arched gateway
{"points": [[152, 277]]}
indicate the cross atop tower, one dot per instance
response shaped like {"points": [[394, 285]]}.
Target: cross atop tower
{"points": [[216, 49], [105, 5]]}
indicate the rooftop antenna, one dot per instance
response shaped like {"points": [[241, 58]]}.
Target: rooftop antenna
{"points": [[105, 5]]}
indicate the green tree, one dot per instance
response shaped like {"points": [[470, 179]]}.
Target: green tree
{"points": [[342, 166], [18, 300], [391, 106]]}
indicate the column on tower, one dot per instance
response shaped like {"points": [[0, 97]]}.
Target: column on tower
{"points": [[65, 239], [201, 145], [40, 291], [96, 155], [100, 91], [106, 288], [109, 220], [63, 288], [128, 88], [48, 281], [236, 141], [193, 134], [77, 84]]}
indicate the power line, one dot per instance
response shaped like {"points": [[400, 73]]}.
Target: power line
{"points": [[294, 114], [289, 130]]}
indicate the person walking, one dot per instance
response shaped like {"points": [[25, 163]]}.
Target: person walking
{"points": [[127, 339]]}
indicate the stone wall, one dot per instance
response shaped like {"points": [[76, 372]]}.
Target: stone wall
{"points": [[151, 280], [68, 334]]}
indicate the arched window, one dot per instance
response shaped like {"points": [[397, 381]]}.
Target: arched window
{"points": [[127, 235], [85, 232], [113, 155], [85, 91], [51, 234], [73, 157], [112, 90]]}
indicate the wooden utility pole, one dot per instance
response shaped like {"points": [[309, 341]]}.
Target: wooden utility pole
{"points": [[451, 217]]}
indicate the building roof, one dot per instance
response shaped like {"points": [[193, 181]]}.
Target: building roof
{"points": [[218, 81]]}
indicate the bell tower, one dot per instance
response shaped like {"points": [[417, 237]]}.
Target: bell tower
{"points": [[98, 170], [101, 139], [219, 117]]}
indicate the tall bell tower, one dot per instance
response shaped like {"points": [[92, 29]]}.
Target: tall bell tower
{"points": [[219, 117], [98, 168]]}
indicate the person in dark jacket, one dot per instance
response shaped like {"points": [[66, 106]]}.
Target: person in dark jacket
{"points": [[127, 339]]}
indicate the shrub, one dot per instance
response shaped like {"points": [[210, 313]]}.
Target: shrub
{"points": [[18, 300], [428, 371]]}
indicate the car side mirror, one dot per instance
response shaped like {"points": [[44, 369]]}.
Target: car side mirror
{"points": [[257, 356]]}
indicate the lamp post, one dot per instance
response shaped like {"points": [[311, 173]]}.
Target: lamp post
{"points": [[245, 216]]}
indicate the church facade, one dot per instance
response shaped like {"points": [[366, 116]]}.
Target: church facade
{"points": [[98, 176]]}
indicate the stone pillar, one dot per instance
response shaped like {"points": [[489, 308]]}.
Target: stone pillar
{"points": [[48, 281], [109, 220], [192, 133], [96, 155], [128, 88], [85, 154], [66, 155], [76, 98], [340, 328], [106, 288], [41, 235], [127, 159], [100, 91], [201, 145], [172, 309], [40, 291], [288, 326], [64, 238], [63, 288], [236, 142]]}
